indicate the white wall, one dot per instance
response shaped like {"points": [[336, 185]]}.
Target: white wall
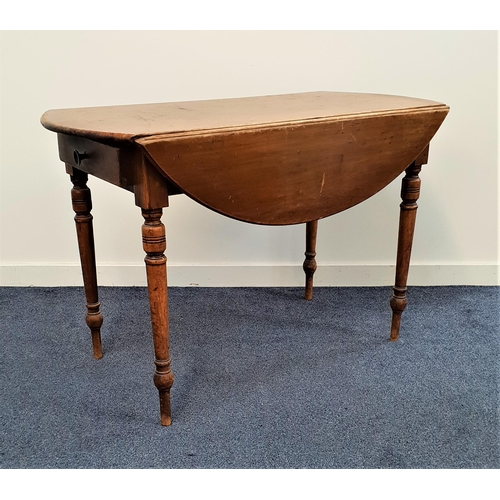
{"points": [[456, 239]]}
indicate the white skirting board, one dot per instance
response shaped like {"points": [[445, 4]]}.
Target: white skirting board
{"points": [[53, 275]]}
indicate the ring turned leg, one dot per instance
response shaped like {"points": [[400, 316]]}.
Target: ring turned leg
{"points": [[410, 192], [154, 243], [82, 205], [310, 265]]}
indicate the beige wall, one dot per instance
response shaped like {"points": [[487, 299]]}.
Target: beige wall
{"points": [[457, 227]]}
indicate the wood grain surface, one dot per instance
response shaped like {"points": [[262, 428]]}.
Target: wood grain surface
{"points": [[126, 123], [292, 174]]}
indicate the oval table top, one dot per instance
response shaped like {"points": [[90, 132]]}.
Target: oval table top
{"points": [[128, 122], [281, 159]]}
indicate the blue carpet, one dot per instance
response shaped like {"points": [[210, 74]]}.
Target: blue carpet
{"points": [[263, 379]]}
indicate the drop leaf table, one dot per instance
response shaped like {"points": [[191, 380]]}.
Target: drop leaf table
{"points": [[274, 160]]}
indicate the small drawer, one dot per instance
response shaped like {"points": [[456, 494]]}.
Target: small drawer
{"points": [[108, 163]]}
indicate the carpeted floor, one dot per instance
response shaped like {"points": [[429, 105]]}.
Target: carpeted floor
{"points": [[263, 379]]}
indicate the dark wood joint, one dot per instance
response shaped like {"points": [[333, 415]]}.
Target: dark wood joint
{"points": [[151, 188], [423, 157]]}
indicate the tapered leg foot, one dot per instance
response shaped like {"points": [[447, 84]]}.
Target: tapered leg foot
{"points": [[154, 243], [410, 192], [164, 379], [94, 321], [310, 265], [398, 304], [82, 205]]}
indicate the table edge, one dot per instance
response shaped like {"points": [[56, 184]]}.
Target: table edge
{"points": [[123, 138]]}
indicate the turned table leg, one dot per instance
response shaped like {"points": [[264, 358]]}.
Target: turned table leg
{"points": [[82, 205], [410, 192], [154, 243], [310, 265]]}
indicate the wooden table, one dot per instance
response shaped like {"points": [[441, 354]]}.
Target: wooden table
{"points": [[275, 160]]}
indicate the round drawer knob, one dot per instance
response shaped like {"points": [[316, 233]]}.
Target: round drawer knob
{"points": [[79, 157]]}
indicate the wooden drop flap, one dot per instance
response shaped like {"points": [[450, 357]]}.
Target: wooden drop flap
{"points": [[293, 174]]}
